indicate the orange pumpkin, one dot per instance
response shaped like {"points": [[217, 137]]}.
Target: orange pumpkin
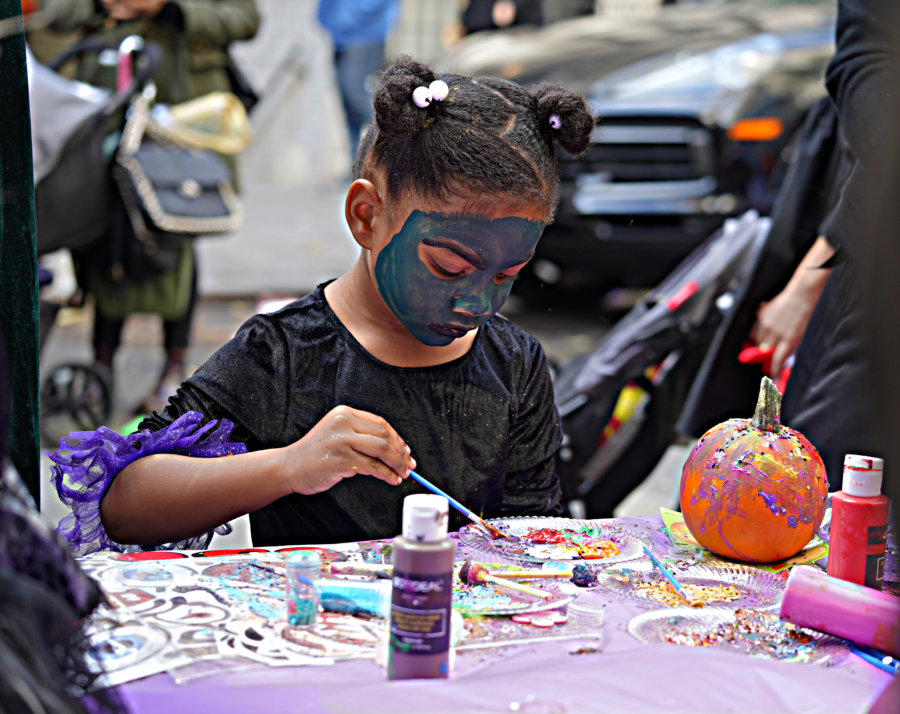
{"points": [[753, 489]]}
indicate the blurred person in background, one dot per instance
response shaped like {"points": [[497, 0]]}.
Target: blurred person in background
{"points": [[359, 31], [497, 14], [194, 36]]}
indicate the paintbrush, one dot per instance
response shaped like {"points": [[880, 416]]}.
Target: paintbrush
{"points": [[476, 574], [379, 570], [879, 659], [528, 574], [668, 576], [493, 530]]}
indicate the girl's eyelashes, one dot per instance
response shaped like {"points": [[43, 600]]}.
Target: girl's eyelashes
{"points": [[445, 272], [449, 265], [510, 274], [443, 262]]}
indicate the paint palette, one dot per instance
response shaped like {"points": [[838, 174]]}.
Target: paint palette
{"points": [[746, 630], [712, 583], [541, 539]]}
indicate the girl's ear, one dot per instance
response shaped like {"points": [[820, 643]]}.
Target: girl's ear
{"points": [[361, 207]]}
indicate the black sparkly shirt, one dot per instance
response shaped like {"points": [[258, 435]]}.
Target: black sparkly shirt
{"points": [[483, 427]]}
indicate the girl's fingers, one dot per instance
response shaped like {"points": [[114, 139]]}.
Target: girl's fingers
{"points": [[372, 425], [370, 466], [383, 452]]}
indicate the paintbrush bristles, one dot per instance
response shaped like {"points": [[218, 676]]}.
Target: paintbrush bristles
{"points": [[478, 574], [493, 531], [464, 571]]}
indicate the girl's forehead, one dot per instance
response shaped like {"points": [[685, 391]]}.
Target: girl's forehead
{"points": [[486, 207]]}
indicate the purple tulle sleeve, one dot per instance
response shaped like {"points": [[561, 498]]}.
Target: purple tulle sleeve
{"points": [[86, 462]]}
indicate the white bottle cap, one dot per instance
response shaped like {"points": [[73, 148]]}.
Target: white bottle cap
{"points": [[425, 517], [862, 475]]}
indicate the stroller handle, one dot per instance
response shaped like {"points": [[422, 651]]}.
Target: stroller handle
{"points": [[147, 60]]}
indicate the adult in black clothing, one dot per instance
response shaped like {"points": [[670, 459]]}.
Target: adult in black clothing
{"points": [[786, 278], [844, 390]]}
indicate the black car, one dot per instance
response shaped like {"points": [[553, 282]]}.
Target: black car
{"points": [[696, 106]]}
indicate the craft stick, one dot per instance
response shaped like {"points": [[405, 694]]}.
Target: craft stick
{"points": [[671, 578], [493, 530]]}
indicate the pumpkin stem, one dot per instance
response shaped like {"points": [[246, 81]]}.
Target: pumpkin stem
{"points": [[767, 416]]}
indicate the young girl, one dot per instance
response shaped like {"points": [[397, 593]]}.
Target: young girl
{"points": [[402, 362]]}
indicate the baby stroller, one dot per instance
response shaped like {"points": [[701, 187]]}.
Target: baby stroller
{"points": [[73, 139], [620, 403]]}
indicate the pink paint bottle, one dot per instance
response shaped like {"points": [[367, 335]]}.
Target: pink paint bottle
{"points": [[859, 518], [862, 615]]}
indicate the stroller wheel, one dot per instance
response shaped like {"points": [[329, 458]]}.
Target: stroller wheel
{"points": [[75, 397]]}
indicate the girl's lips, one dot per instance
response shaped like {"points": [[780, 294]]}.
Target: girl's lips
{"points": [[448, 330]]}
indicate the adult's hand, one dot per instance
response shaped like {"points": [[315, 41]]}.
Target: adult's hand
{"points": [[781, 321], [780, 324], [345, 443]]}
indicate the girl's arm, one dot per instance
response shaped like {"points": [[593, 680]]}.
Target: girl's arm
{"points": [[168, 497]]}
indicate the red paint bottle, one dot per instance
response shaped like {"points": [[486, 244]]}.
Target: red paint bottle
{"points": [[859, 517]]}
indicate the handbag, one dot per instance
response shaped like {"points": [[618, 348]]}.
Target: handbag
{"points": [[171, 193]]}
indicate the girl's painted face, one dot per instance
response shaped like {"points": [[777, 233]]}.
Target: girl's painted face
{"points": [[444, 274]]}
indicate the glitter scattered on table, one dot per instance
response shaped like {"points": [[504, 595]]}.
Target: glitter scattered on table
{"points": [[753, 632]]}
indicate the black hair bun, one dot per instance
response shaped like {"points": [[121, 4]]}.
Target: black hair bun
{"points": [[395, 112], [576, 121]]}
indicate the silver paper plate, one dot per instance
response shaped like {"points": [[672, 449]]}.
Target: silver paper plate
{"points": [[764, 635], [757, 588], [630, 545]]}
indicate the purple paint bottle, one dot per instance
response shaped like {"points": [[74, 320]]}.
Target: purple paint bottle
{"points": [[422, 593]]}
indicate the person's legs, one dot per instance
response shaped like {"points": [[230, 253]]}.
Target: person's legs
{"points": [[106, 337], [176, 338], [356, 68]]}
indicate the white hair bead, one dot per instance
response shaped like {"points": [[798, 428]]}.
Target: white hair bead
{"points": [[421, 97], [555, 121], [439, 90]]}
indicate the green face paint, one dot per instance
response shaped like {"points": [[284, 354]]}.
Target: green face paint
{"points": [[443, 275]]}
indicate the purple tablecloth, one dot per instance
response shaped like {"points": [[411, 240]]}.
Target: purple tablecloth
{"points": [[549, 677]]}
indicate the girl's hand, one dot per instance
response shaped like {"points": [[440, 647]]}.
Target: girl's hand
{"points": [[345, 443]]}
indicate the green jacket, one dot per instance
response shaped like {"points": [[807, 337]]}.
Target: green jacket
{"points": [[193, 34]]}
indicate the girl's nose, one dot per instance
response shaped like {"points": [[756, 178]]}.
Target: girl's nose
{"points": [[473, 305]]}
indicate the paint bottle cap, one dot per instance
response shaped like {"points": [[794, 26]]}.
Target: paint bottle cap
{"points": [[425, 517], [862, 475]]}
